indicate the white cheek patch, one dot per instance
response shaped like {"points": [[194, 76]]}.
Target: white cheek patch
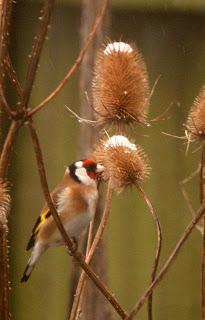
{"points": [[82, 175], [79, 164]]}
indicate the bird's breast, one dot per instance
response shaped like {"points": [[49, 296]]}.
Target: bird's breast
{"points": [[76, 209]]}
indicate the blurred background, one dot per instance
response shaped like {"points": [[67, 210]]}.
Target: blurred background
{"points": [[171, 36]]}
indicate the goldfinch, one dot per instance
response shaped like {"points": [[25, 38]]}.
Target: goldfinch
{"points": [[75, 199]]}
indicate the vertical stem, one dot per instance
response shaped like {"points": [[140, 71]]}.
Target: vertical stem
{"points": [[4, 271], [158, 247], [5, 13], [90, 8], [80, 291], [37, 47], [7, 148], [95, 243], [168, 262], [202, 187]]}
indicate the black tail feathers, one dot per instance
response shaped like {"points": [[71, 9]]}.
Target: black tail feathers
{"points": [[27, 273]]}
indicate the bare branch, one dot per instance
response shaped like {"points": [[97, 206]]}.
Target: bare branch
{"points": [[95, 243], [77, 255], [7, 147], [202, 189], [4, 104], [13, 76], [78, 61], [39, 39], [168, 262], [5, 14], [158, 247], [186, 196], [80, 290]]}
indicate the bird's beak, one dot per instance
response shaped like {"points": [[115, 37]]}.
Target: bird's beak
{"points": [[100, 168]]}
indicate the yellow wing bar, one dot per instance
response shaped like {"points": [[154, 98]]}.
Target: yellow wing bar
{"points": [[44, 215]]}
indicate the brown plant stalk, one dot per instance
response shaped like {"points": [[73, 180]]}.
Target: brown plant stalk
{"points": [[5, 14], [4, 104], [196, 131], [36, 50], [11, 72], [7, 148], [202, 187], [82, 294], [76, 254], [168, 262], [4, 252], [79, 295], [158, 247], [97, 238], [78, 61]]}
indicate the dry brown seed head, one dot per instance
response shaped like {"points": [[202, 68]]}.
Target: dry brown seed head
{"points": [[196, 118], [120, 85], [125, 164]]}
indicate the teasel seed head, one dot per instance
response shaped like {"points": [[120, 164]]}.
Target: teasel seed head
{"points": [[120, 85], [125, 163], [196, 118]]}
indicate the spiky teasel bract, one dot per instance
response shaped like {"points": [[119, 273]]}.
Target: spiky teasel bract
{"points": [[196, 118], [120, 85], [125, 163]]}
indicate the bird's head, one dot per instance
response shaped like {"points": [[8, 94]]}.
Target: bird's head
{"points": [[85, 171]]}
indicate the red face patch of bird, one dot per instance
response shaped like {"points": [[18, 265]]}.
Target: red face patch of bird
{"points": [[120, 85], [125, 163], [196, 118]]}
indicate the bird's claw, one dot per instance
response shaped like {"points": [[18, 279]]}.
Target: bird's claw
{"points": [[74, 246]]}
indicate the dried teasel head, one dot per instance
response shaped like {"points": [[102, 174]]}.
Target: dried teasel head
{"points": [[125, 163], [120, 85], [196, 118]]}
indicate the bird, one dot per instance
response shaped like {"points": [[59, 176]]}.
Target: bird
{"points": [[75, 199]]}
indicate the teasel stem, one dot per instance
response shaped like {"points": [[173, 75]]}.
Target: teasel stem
{"points": [[202, 187], [36, 50], [98, 236], [80, 290], [82, 294], [138, 305], [158, 247], [7, 147]]}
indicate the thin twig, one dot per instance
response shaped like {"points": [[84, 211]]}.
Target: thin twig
{"points": [[168, 262], [158, 247], [95, 243], [186, 196], [78, 61], [7, 147], [34, 56], [68, 242], [12, 75], [78, 300], [4, 104]]}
